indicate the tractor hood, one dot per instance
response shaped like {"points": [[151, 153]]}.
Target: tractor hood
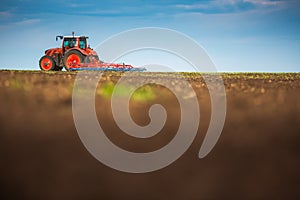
{"points": [[52, 51]]}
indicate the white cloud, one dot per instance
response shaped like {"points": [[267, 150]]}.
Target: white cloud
{"points": [[265, 2], [27, 22], [193, 6], [5, 14], [77, 5], [224, 6]]}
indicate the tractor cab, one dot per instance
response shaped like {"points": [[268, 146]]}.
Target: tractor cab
{"points": [[71, 42]]}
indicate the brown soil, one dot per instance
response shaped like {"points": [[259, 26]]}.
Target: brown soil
{"points": [[256, 157]]}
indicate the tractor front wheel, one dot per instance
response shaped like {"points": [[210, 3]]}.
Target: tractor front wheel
{"points": [[47, 63], [72, 59]]}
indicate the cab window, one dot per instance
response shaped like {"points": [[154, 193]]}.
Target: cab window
{"points": [[70, 42], [82, 43]]}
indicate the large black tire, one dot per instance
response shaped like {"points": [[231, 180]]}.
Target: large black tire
{"points": [[72, 57], [47, 63]]}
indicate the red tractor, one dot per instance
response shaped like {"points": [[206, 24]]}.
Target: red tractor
{"points": [[74, 51]]}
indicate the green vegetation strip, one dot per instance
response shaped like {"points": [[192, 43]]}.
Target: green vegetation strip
{"points": [[142, 94]]}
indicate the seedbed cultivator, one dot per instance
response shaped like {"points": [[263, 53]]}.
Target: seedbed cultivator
{"points": [[101, 66]]}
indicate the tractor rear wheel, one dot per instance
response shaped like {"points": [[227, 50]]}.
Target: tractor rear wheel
{"points": [[47, 63], [72, 59]]}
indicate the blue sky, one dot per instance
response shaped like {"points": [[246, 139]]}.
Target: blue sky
{"points": [[239, 35]]}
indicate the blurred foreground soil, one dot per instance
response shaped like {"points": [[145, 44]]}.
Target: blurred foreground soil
{"points": [[256, 157]]}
